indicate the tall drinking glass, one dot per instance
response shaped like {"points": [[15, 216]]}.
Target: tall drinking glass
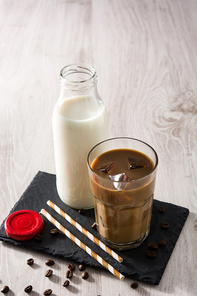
{"points": [[122, 173]]}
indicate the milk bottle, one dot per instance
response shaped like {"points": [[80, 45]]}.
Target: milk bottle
{"points": [[79, 122]]}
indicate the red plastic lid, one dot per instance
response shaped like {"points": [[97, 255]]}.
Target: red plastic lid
{"points": [[24, 225]]}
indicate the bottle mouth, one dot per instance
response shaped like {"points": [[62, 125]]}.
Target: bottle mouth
{"points": [[77, 77]]}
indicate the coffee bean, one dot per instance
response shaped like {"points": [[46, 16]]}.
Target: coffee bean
{"points": [[30, 261], [69, 274], [49, 262], [48, 273], [38, 237], [151, 254], [94, 226], [54, 231], [82, 267], [28, 289], [134, 285], [47, 292], [71, 267], [82, 211], [85, 275], [5, 289], [162, 242], [66, 283], [164, 225], [153, 246], [161, 209]]}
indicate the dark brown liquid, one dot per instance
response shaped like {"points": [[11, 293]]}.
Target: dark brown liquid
{"points": [[133, 163], [123, 209]]}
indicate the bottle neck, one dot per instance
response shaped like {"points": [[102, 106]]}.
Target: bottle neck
{"points": [[78, 79]]}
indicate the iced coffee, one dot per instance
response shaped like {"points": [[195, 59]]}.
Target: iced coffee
{"points": [[122, 180]]}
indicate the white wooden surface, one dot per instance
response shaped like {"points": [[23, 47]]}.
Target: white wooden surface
{"points": [[145, 56]]}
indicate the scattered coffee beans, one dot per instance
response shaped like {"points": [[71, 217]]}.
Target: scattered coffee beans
{"points": [[164, 225], [69, 274], [54, 231], [47, 292], [49, 262], [153, 246], [5, 290], [38, 237], [94, 226], [161, 209], [82, 267], [30, 261], [85, 275], [82, 211], [134, 285], [162, 242], [66, 283], [48, 273], [71, 267], [28, 289], [151, 254]]}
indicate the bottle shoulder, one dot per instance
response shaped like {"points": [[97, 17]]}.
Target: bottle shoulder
{"points": [[80, 108]]}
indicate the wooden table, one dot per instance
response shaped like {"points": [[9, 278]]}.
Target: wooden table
{"points": [[145, 56]]}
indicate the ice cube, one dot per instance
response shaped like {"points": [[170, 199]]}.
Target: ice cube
{"points": [[136, 163], [106, 168], [118, 179]]}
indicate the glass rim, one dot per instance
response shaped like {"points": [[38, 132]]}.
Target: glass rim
{"points": [[93, 74], [123, 138]]}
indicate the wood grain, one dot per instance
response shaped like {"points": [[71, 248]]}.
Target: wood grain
{"points": [[145, 56]]}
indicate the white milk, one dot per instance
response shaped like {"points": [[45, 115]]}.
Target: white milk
{"points": [[79, 123]]}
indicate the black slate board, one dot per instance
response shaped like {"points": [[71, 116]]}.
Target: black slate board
{"points": [[136, 264]]}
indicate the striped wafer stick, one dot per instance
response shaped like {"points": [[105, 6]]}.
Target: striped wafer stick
{"points": [[82, 245], [84, 231]]}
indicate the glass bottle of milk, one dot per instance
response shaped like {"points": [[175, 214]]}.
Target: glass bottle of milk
{"points": [[79, 122]]}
